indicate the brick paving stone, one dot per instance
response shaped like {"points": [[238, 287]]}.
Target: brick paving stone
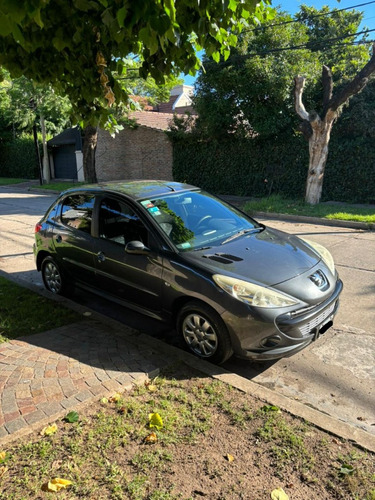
{"points": [[83, 396], [3, 432], [45, 374], [50, 408], [96, 390], [16, 425], [35, 416], [8, 417], [69, 403], [25, 410]]}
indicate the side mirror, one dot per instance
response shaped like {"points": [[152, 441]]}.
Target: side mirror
{"points": [[136, 247]]}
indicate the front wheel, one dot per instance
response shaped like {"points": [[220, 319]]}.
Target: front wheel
{"points": [[204, 332], [52, 277]]}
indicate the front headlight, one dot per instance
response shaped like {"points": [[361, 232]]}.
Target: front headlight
{"points": [[253, 295], [324, 253]]}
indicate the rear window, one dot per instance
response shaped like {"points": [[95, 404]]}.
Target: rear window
{"points": [[77, 211]]}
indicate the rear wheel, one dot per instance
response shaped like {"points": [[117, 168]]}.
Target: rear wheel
{"points": [[52, 277], [204, 332]]}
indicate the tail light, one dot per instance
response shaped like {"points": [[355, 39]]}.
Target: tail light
{"points": [[38, 227]]}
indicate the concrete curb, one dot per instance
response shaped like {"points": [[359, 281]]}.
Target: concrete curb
{"points": [[316, 220]]}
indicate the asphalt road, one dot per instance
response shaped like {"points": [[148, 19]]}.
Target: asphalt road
{"points": [[335, 375]]}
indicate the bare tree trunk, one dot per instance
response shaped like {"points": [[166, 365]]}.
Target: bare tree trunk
{"points": [[89, 148], [46, 171], [317, 130], [318, 148]]}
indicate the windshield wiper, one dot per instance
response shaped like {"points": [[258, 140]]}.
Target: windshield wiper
{"points": [[201, 248], [241, 233]]}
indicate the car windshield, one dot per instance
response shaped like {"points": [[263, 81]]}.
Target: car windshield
{"points": [[196, 219]]}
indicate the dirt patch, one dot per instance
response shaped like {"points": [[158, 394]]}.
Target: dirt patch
{"points": [[214, 442]]}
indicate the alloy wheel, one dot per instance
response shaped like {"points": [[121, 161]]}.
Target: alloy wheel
{"points": [[200, 335]]}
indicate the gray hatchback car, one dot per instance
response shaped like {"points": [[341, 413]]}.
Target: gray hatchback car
{"points": [[229, 284]]}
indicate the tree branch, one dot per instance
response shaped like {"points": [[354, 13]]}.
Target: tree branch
{"points": [[299, 83], [327, 88], [354, 86]]}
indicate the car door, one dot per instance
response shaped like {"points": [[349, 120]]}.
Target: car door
{"points": [[134, 278], [74, 245]]}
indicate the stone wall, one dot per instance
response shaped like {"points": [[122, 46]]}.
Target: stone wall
{"points": [[141, 153]]}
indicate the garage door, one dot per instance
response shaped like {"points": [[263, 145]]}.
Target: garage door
{"points": [[64, 159]]}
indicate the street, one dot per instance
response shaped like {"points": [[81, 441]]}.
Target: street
{"points": [[335, 375]]}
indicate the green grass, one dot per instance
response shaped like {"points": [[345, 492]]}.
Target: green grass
{"points": [[5, 181], [23, 312], [59, 186], [339, 211], [105, 456]]}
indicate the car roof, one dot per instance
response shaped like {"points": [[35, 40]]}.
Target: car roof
{"points": [[138, 189]]}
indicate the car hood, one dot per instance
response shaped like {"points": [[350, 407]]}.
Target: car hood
{"points": [[269, 257]]}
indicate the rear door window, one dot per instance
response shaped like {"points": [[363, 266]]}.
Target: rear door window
{"points": [[119, 223], [77, 211]]}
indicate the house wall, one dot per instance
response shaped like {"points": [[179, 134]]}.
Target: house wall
{"points": [[141, 153]]}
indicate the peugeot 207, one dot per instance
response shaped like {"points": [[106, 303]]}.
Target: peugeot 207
{"points": [[229, 284]]}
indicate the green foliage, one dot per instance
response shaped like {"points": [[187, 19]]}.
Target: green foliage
{"points": [[246, 140], [243, 167], [18, 157], [49, 43], [22, 103], [260, 167]]}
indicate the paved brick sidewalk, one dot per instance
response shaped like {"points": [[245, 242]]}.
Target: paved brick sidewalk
{"points": [[44, 376]]}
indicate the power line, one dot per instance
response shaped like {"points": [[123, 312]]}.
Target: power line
{"points": [[309, 45], [258, 28], [293, 48]]}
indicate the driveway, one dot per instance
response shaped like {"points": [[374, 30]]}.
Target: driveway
{"points": [[336, 374]]}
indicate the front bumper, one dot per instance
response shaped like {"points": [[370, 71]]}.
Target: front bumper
{"points": [[289, 333]]}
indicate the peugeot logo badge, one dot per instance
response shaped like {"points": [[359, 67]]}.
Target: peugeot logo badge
{"points": [[319, 279]]}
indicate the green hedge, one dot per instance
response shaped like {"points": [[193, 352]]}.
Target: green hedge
{"points": [[259, 167], [18, 158]]}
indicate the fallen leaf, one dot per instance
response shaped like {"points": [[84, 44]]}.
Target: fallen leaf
{"points": [[48, 431], [56, 484], [229, 457], [346, 470], [151, 438], [115, 398], [279, 494], [152, 387], [267, 408], [3, 470], [155, 420], [71, 417]]}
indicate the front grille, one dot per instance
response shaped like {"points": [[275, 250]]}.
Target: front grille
{"points": [[307, 328]]}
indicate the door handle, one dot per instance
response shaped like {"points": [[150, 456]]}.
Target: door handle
{"points": [[58, 238], [101, 257]]}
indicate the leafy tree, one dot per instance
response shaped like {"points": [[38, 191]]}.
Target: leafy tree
{"points": [[78, 46], [25, 103], [252, 93]]}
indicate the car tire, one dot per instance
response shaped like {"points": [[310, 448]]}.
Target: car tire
{"points": [[204, 332], [52, 277]]}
